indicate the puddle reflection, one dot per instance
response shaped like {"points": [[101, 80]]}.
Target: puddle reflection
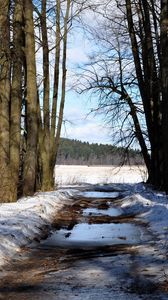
{"points": [[106, 195], [86, 235], [112, 212]]}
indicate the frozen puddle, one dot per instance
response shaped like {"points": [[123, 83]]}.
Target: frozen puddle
{"points": [[106, 195], [112, 212], [94, 235]]}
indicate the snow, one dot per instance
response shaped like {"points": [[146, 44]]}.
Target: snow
{"points": [[99, 174], [25, 221], [151, 207]]}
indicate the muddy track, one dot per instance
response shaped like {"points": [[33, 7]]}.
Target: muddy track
{"points": [[95, 252]]}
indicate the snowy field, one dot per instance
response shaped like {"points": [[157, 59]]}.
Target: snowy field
{"points": [[27, 220], [99, 175]]}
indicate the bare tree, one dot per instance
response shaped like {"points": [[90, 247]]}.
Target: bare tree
{"points": [[110, 77], [32, 110], [50, 129], [137, 26]]}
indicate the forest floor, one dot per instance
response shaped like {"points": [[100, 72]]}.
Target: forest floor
{"points": [[106, 242]]}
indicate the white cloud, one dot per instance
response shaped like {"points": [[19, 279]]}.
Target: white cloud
{"points": [[77, 55], [85, 129]]}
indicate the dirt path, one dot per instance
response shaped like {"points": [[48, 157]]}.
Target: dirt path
{"points": [[95, 252]]}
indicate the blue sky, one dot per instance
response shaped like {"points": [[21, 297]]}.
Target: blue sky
{"points": [[79, 123]]}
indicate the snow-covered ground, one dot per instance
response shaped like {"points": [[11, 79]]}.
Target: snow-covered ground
{"points": [[96, 175], [26, 220], [152, 207]]}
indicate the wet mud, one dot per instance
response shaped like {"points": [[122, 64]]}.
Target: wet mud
{"points": [[94, 251]]}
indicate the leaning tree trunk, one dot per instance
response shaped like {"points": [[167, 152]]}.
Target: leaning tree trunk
{"points": [[30, 163], [6, 193], [16, 95], [138, 130]]}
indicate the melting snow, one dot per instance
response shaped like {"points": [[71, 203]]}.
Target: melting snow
{"points": [[24, 221]]}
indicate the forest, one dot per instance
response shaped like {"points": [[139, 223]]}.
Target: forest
{"points": [[74, 152], [127, 74]]}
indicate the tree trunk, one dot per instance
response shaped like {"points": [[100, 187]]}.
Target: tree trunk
{"points": [[30, 164], [62, 103], [54, 120], [164, 85], [145, 65], [44, 138], [16, 95], [138, 132], [6, 193], [50, 131], [151, 79], [56, 73]]}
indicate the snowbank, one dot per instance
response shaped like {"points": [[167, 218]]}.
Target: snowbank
{"points": [[26, 220], [152, 207]]}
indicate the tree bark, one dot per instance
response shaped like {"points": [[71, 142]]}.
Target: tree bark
{"points": [[16, 95], [138, 131], [64, 72], [44, 133], [148, 80], [151, 79], [50, 131], [56, 73], [164, 86], [30, 163], [6, 193]]}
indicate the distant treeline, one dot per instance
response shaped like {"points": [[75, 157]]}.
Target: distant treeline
{"points": [[74, 152]]}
